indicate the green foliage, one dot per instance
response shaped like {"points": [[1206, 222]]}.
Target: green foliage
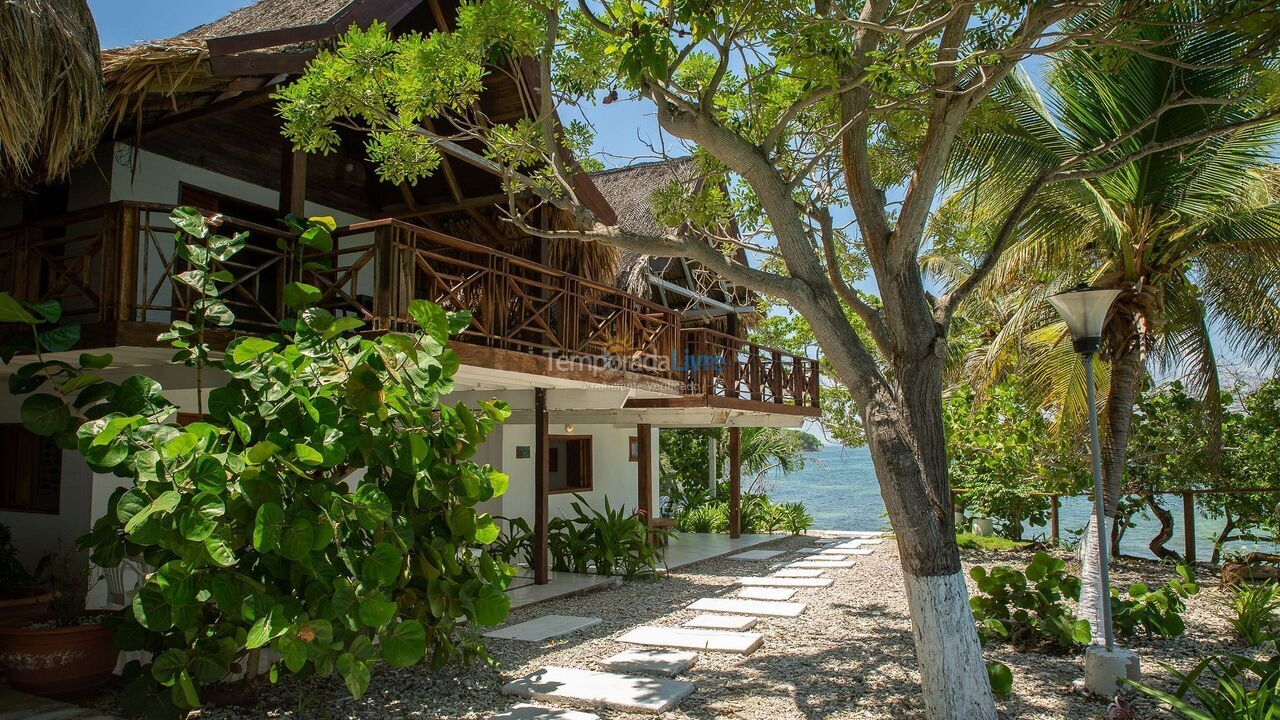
{"points": [[1157, 611], [1030, 610], [1223, 687], [257, 537], [1002, 449], [1250, 459], [515, 543], [711, 517], [13, 575], [1256, 612], [612, 542], [988, 543], [795, 518], [1001, 678]]}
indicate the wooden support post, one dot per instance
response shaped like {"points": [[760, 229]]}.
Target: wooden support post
{"points": [[644, 472], [735, 482], [1053, 519], [293, 182], [541, 509], [1189, 526], [712, 475]]}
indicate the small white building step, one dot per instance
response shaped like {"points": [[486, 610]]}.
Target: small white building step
{"points": [[739, 606], [736, 623], [650, 661], [589, 688], [766, 593], [15, 705], [757, 555], [537, 712], [741, 643], [784, 582], [543, 628], [797, 572], [826, 563]]}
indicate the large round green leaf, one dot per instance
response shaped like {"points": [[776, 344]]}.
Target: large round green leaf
{"points": [[382, 567], [372, 506], [152, 609], [267, 527], [404, 643], [295, 540], [376, 611], [45, 415]]}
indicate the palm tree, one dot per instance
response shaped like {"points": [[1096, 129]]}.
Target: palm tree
{"points": [[1190, 235]]}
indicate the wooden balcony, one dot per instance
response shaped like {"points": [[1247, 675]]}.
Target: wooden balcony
{"points": [[111, 267]]}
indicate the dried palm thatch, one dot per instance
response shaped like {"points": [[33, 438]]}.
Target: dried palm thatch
{"points": [[142, 77], [51, 93]]}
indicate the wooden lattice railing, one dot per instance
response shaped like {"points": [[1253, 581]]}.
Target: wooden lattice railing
{"points": [[114, 263], [516, 304], [720, 364]]}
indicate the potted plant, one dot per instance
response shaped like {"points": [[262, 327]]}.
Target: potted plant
{"points": [[981, 513], [20, 598], [66, 652]]}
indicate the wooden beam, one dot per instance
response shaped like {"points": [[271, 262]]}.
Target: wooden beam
{"points": [[260, 63], [644, 472], [541, 472], [293, 182], [735, 482]]}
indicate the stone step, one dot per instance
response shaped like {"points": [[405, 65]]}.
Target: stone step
{"points": [[856, 544], [846, 551], [826, 563], [537, 712], [741, 643], [590, 688], [846, 534], [797, 572], [16, 705], [757, 555], [644, 661], [739, 606], [846, 556], [766, 593], [784, 582], [736, 623], [543, 628]]}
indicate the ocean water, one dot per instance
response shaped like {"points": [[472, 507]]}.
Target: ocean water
{"points": [[838, 486]]}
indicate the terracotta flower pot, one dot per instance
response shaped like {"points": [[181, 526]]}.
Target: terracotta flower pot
{"points": [[30, 603], [58, 662]]}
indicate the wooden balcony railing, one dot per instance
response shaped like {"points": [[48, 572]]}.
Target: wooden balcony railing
{"points": [[720, 364], [515, 304], [114, 264]]}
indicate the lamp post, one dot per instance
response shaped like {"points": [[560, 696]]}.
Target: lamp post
{"points": [[1084, 309]]}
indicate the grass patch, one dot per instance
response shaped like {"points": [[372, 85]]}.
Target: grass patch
{"points": [[988, 543]]}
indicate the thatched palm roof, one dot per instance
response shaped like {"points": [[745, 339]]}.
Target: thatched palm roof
{"points": [[267, 15], [51, 95], [629, 191]]}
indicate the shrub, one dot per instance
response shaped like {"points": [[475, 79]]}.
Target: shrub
{"points": [[612, 542], [1225, 687], [709, 518], [257, 537], [1255, 608], [1030, 609], [1158, 611], [795, 518], [515, 544]]}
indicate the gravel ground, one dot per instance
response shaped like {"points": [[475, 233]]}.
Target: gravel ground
{"points": [[848, 656]]}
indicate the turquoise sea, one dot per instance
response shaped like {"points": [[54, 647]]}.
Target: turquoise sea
{"points": [[838, 486]]}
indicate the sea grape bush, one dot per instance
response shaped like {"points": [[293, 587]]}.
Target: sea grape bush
{"points": [[1029, 609], [322, 507], [1158, 611]]}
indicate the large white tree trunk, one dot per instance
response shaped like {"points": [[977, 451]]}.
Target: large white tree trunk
{"points": [[1090, 607], [952, 672]]}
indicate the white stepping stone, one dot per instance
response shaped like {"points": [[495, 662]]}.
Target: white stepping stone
{"points": [[668, 663], [740, 606], [766, 593], [857, 533], [757, 555], [797, 572], [736, 623], [856, 544], [571, 686], [846, 551], [537, 712], [824, 564], [845, 557], [784, 582], [741, 643], [543, 628]]}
